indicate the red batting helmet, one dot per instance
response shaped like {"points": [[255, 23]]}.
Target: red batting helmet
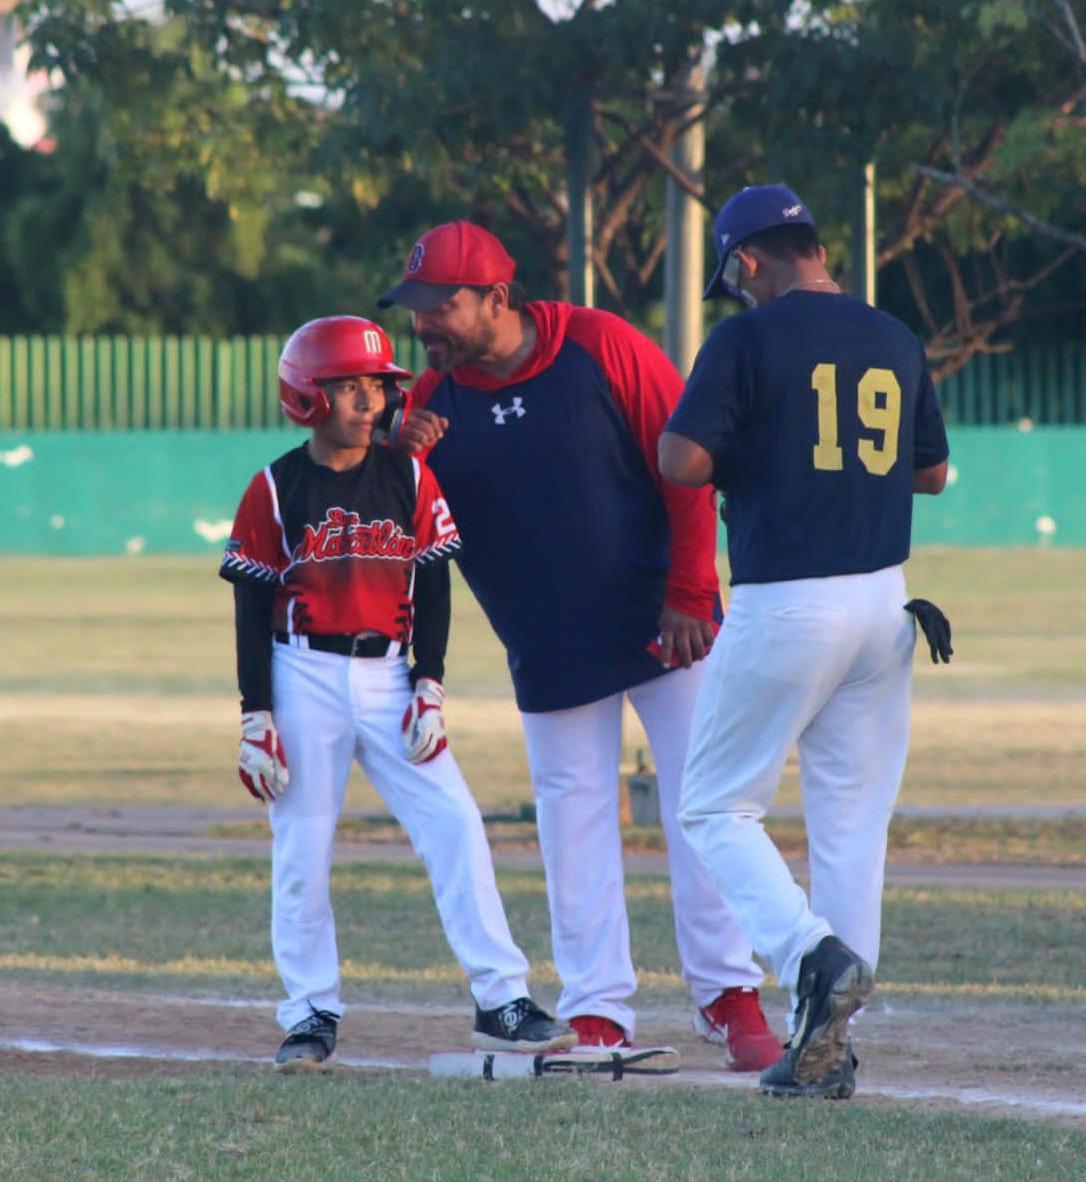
{"points": [[331, 347]]}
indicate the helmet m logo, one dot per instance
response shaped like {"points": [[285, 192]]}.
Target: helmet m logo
{"points": [[371, 341], [501, 413]]}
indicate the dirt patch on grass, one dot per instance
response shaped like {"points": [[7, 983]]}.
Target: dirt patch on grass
{"points": [[929, 1053]]}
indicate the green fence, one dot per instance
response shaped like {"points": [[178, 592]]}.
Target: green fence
{"points": [[1043, 386], [53, 383], [156, 492]]}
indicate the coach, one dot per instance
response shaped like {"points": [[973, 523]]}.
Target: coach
{"points": [[599, 579]]}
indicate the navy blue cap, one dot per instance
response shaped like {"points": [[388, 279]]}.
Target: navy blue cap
{"points": [[749, 212]]}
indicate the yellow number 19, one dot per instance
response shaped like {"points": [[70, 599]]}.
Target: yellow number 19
{"points": [[877, 458]]}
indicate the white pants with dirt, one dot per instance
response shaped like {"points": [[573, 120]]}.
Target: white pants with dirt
{"points": [[825, 663], [331, 710], [574, 756]]}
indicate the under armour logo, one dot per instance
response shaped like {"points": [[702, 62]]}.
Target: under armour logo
{"points": [[415, 260], [724, 238], [500, 413], [792, 211]]}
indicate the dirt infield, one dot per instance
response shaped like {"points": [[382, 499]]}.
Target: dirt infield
{"points": [[934, 1051], [158, 830], [933, 1054]]}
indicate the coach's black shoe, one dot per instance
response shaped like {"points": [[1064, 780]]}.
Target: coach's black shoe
{"points": [[837, 1084], [833, 984], [309, 1044], [521, 1026]]}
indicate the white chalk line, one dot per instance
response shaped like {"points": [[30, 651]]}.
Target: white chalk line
{"points": [[983, 1096], [964, 1096], [40, 1046]]}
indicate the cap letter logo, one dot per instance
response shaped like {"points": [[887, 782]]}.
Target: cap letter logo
{"points": [[792, 211], [371, 341], [415, 261]]}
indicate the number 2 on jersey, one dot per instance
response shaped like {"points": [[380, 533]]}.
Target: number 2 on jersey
{"points": [[877, 458], [443, 523]]}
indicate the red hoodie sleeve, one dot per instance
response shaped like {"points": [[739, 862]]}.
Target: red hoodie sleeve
{"points": [[646, 389]]}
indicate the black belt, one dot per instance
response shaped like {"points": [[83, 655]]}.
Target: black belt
{"points": [[346, 645]]}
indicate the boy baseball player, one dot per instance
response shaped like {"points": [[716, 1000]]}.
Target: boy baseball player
{"points": [[338, 560]]}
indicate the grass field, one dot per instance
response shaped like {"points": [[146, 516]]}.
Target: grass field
{"points": [[231, 1125], [201, 923], [118, 686], [80, 932]]}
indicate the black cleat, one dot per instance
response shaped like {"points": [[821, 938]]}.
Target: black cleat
{"points": [[521, 1026], [309, 1044], [833, 984], [837, 1084]]}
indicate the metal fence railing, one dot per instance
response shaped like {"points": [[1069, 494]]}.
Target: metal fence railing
{"points": [[145, 383], [152, 383], [1043, 384]]}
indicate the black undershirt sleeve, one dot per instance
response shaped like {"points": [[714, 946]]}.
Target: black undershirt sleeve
{"points": [[433, 611], [252, 621]]}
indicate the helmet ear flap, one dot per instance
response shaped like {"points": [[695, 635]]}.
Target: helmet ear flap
{"points": [[304, 407], [387, 424]]}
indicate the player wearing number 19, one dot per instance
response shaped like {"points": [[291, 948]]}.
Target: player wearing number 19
{"points": [[816, 417]]}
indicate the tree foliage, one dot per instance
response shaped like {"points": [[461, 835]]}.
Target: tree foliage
{"points": [[240, 166]]}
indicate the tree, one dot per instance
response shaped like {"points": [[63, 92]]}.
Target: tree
{"points": [[974, 114], [207, 127], [178, 180], [36, 215], [473, 102]]}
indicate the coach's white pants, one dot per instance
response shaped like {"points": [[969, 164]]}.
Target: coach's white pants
{"points": [[574, 756], [331, 710], [826, 663]]}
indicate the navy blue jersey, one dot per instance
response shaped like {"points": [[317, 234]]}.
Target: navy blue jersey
{"points": [[816, 410], [571, 542]]}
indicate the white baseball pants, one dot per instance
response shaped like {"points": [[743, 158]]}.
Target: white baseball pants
{"points": [[331, 710], [574, 756], [826, 663]]}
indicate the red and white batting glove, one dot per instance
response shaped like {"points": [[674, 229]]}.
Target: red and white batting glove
{"points": [[262, 766], [423, 727]]}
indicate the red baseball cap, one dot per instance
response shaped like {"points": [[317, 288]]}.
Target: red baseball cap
{"points": [[448, 257]]}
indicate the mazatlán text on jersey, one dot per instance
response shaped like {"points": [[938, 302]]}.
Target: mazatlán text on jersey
{"points": [[343, 534]]}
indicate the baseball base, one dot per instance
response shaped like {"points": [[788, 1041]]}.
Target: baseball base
{"points": [[613, 1061]]}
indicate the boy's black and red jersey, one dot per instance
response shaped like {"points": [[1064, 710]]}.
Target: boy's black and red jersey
{"points": [[340, 548]]}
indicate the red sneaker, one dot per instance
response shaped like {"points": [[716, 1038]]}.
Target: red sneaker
{"points": [[593, 1031], [735, 1020]]}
